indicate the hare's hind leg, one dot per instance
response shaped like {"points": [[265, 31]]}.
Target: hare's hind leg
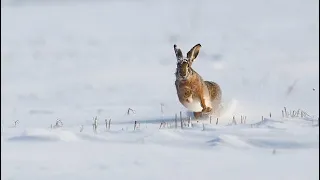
{"points": [[214, 90], [215, 94], [197, 115]]}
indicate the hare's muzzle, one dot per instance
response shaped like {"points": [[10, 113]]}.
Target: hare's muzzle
{"points": [[183, 69]]}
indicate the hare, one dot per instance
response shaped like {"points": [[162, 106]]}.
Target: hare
{"points": [[194, 93]]}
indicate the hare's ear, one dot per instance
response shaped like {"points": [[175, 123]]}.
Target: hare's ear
{"points": [[178, 52], [193, 53]]}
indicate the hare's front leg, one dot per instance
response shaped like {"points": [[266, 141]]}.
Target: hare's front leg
{"points": [[203, 105]]}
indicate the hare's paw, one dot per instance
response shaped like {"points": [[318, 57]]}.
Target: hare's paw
{"points": [[197, 115], [207, 109]]}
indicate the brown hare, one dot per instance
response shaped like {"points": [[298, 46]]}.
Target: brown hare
{"points": [[194, 93]]}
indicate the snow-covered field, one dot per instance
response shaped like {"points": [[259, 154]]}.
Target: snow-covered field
{"points": [[78, 59]]}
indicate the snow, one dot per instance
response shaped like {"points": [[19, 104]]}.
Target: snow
{"points": [[75, 60], [286, 149]]}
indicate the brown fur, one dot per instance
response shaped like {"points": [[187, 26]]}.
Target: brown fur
{"points": [[215, 94], [193, 86]]}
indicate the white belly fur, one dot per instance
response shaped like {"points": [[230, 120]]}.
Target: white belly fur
{"points": [[194, 105]]}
